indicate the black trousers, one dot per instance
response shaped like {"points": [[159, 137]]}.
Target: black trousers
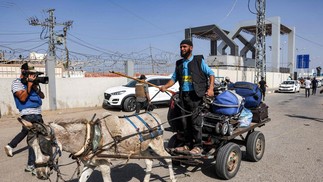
{"points": [[141, 105], [23, 133], [263, 94], [313, 90], [192, 126], [307, 92]]}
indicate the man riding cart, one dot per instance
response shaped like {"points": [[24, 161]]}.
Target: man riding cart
{"points": [[231, 114]]}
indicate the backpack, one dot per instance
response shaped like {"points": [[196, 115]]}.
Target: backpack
{"points": [[227, 103], [250, 91]]}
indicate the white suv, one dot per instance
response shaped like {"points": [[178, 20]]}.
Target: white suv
{"points": [[124, 96]]}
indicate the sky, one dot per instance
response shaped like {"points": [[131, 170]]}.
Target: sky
{"points": [[132, 27]]}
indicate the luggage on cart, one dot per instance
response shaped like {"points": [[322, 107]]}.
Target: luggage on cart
{"points": [[250, 91], [245, 118], [260, 113], [227, 103]]}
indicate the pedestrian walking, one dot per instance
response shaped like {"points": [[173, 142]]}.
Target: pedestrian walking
{"points": [[314, 86], [307, 87], [262, 85]]}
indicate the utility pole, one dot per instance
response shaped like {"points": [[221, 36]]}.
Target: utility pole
{"points": [[51, 57], [152, 60], [67, 54], [260, 63]]}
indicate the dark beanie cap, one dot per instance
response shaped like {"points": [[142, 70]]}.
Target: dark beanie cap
{"points": [[142, 77], [186, 41]]}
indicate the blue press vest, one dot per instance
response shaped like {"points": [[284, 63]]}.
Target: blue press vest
{"points": [[33, 101]]}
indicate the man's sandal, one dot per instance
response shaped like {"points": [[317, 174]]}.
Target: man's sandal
{"points": [[196, 151], [183, 149]]}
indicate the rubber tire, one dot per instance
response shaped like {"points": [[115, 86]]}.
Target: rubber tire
{"points": [[174, 113], [255, 146], [230, 130], [172, 143], [224, 128], [217, 128], [129, 104], [224, 154]]}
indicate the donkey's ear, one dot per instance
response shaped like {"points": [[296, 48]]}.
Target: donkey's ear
{"points": [[25, 123]]}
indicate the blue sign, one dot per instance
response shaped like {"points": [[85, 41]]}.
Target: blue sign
{"points": [[303, 61]]}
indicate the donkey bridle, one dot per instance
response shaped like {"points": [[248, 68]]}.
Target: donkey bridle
{"points": [[51, 163]]}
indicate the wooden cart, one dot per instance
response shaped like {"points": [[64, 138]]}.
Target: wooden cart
{"points": [[224, 146]]}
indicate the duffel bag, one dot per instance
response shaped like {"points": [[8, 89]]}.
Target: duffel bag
{"points": [[250, 91], [227, 103], [260, 113]]}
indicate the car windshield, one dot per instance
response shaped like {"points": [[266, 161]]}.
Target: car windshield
{"points": [[288, 82], [131, 83]]}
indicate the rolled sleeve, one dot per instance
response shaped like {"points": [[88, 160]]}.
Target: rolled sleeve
{"points": [[206, 69], [174, 77]]}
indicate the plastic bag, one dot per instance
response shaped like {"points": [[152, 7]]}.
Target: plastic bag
{"points": [[245, 118]]}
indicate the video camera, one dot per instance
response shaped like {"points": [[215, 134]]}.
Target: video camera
{"points": [[38, 79]]}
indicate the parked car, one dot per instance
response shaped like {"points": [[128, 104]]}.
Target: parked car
{"points": [[123, 97], [289, 86], [319, 83]]}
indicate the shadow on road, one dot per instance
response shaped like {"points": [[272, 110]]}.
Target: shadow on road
{"points": [[128, 172], [305, 117]]}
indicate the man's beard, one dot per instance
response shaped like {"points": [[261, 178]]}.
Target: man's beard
{"points": [[186, 54]]}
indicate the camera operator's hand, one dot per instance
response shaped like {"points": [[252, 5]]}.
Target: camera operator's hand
{"points": [[31, 77], [37, 89]]}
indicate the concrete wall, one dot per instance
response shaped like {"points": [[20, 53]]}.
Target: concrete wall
{"points": [[71, 93], [273, 79], [88, 92]]}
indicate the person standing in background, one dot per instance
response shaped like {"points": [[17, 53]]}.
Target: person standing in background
{"points": [[307, 87], [314, 86], [142, 94]]}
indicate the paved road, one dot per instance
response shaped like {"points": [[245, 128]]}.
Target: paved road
{"points": [[294, 147]]}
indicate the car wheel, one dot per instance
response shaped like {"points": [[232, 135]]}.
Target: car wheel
{"points": [[129, 104]]}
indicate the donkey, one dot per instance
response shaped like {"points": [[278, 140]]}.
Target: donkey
{"points": [[89, 141]]}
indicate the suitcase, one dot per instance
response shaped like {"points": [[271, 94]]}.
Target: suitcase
{"points": [[260, 113]]}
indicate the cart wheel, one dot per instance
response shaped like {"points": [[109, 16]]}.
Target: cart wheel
{"points": [[230, 130], [228, 161], [217, 128], [224, 128], [255, 147], [172, 143]]}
